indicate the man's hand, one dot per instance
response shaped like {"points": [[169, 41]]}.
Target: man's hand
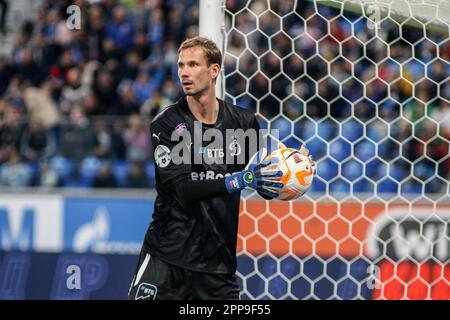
{"points": [[260, 175]]}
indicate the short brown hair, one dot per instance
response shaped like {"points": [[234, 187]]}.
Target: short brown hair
{"points": [[209, 47]]}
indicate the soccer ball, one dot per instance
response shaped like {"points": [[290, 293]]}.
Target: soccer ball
{"points": [[298, 172]]}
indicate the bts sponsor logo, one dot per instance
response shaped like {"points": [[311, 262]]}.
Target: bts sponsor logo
{"points": [[211, 153], [31, 223]]}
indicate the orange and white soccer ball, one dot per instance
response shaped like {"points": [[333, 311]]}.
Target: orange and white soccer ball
{"points": [[298, 171]]}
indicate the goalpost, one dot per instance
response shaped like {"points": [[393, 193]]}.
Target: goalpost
{"points": [[365, 85]]}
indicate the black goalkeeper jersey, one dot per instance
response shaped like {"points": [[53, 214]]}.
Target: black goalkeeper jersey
{"points": [[198, 235]]}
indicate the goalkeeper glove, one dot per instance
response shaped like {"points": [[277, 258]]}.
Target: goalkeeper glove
{"points": [[260, 175], [303, 150]]}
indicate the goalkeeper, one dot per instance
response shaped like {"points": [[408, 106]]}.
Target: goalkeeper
{"points": [[189, 250]]}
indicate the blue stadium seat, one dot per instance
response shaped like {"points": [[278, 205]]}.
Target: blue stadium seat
{"points": [[326, 130], [352, 130], [362, 185], [415, 68], [317, 147], [63, 167], [283, 125], [327, 169], [352, 170], [411, 187], [89, 168], [340, 149], [305, 129], [423, 171], [365, 150], [375, 168], [397, 172], [339, 186], [120, 170], [373, 134], [318, 186], [387, 186], [34, 171]]}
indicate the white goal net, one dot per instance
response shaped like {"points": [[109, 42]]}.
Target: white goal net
{"points": [[366, 87]]}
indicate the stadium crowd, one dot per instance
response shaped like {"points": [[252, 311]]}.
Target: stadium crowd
{"points": [[75, 104]]}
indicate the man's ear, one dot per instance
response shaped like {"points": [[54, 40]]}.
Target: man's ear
{"points": [[215, 70]]}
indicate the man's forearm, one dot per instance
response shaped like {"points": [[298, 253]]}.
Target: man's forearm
{"points": [[189, 190]]}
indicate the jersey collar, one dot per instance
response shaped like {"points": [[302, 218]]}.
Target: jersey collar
{"points": [[185, 107]]}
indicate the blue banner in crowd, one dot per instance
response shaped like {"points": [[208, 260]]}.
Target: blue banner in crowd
{"points": [[53, 223], [106, 225]]}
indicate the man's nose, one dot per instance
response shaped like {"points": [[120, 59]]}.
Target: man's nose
{"points": [[184, 73]]}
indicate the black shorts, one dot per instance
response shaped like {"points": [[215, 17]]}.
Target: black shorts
{"points": [[156, 279]]}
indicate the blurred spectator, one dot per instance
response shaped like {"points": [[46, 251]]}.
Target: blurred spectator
{"points": [[48, 177], [78, 138], [6, 72], [14, 92], [120, 30], [104, 178], [36, 142], [4, 11], [140, 46], [73, 92], [176, 24], [108, 7], [90, 104], [79, 46], [140, 12], [170, 90], [15, 173], [153, 106], [118, 147], [137, 139], [10, 131], [127, 105], [130, 66], [137, 178], [40, 105], [28, 68], [105, 93], [103, 138], [95, 32], [441, 114], [171, 60], [155, 32], [143, 87]]}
